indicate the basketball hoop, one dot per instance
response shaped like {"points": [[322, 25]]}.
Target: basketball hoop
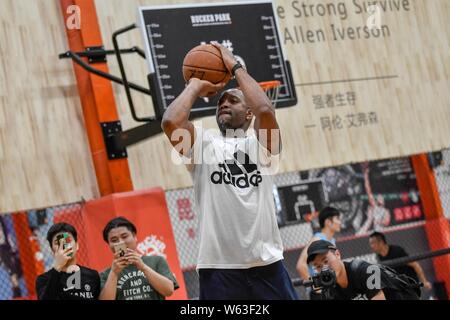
{"points": [[271, 88]]}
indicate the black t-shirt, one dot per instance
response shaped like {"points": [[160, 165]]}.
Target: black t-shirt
{"points": [[81, 285], [357, 288], [361, 278], [398, 252]]}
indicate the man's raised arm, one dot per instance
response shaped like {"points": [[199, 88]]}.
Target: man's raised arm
{"points": [[176, 117], [259, 103]]}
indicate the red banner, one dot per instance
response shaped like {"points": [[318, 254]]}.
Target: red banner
{"points": [[147, 210]]}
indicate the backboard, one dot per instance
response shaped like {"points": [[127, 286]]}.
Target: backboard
{"points": [[248, 28]]}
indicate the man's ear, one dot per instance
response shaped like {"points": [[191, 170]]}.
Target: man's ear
{"points": [[249, 114], [338, 254]]}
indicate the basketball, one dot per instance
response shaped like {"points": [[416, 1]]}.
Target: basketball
{"points": [[205, 62]]}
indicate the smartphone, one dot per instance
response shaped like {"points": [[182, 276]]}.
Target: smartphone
{"points": [[120, 247], [67, 241]]}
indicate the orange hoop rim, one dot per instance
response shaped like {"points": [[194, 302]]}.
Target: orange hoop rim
{"points": [[267, 85]]}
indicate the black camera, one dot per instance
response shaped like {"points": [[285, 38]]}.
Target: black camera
{"points": [[325, 279], [322, 283]]}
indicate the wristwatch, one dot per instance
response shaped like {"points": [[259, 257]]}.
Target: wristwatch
{"points": [[235, 67]]}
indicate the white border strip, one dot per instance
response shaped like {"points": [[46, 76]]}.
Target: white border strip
{"points": [[148, 56], [206, 4]]}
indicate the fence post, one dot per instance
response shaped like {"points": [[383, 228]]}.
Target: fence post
{"points": [[436, 225]]}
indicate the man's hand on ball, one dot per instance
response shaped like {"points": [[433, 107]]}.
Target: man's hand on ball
{"points": [[205, 88], [228, 59]]}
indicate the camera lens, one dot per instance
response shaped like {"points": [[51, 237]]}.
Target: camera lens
{"points": [[327, 277]]}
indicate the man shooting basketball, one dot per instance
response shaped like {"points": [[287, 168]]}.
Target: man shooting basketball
{"points": [[241, 253]]}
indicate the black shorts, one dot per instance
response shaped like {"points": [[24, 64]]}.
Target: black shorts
{"points": [[271, 282]]}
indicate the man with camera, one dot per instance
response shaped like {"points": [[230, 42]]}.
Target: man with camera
{"points": [[330, 224], [356, 279], [66, 280], [132, 276]]}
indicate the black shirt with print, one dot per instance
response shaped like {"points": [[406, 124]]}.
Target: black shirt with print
{"points": [[357, 283], [54, 285], [361, 277], [395, 252]]}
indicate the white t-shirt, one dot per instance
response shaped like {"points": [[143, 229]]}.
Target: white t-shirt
{"points": [[234, 200]]}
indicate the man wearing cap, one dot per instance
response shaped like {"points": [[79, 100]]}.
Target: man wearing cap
{"points": [[330, 224], [358, 279]]}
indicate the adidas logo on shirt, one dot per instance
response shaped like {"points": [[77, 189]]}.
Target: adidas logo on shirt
{"points": [[238, 172]]}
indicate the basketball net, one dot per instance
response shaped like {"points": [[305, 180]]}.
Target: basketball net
{"points": [[272, 89]]}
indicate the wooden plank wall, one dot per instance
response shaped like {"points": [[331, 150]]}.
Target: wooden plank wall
{"points": [[411, 104], [44, 155]]}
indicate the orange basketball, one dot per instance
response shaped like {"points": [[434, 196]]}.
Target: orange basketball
{"points": [[205, 62]]}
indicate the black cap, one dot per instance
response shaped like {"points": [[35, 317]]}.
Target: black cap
{"points": [[319, 247]]}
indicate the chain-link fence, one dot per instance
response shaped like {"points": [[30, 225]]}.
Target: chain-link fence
{"points": [[24, 250], [441, 163], [376, 196]]}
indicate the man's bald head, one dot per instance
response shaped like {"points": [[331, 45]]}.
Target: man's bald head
{"points": [[233, 92], [232, 111]]}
